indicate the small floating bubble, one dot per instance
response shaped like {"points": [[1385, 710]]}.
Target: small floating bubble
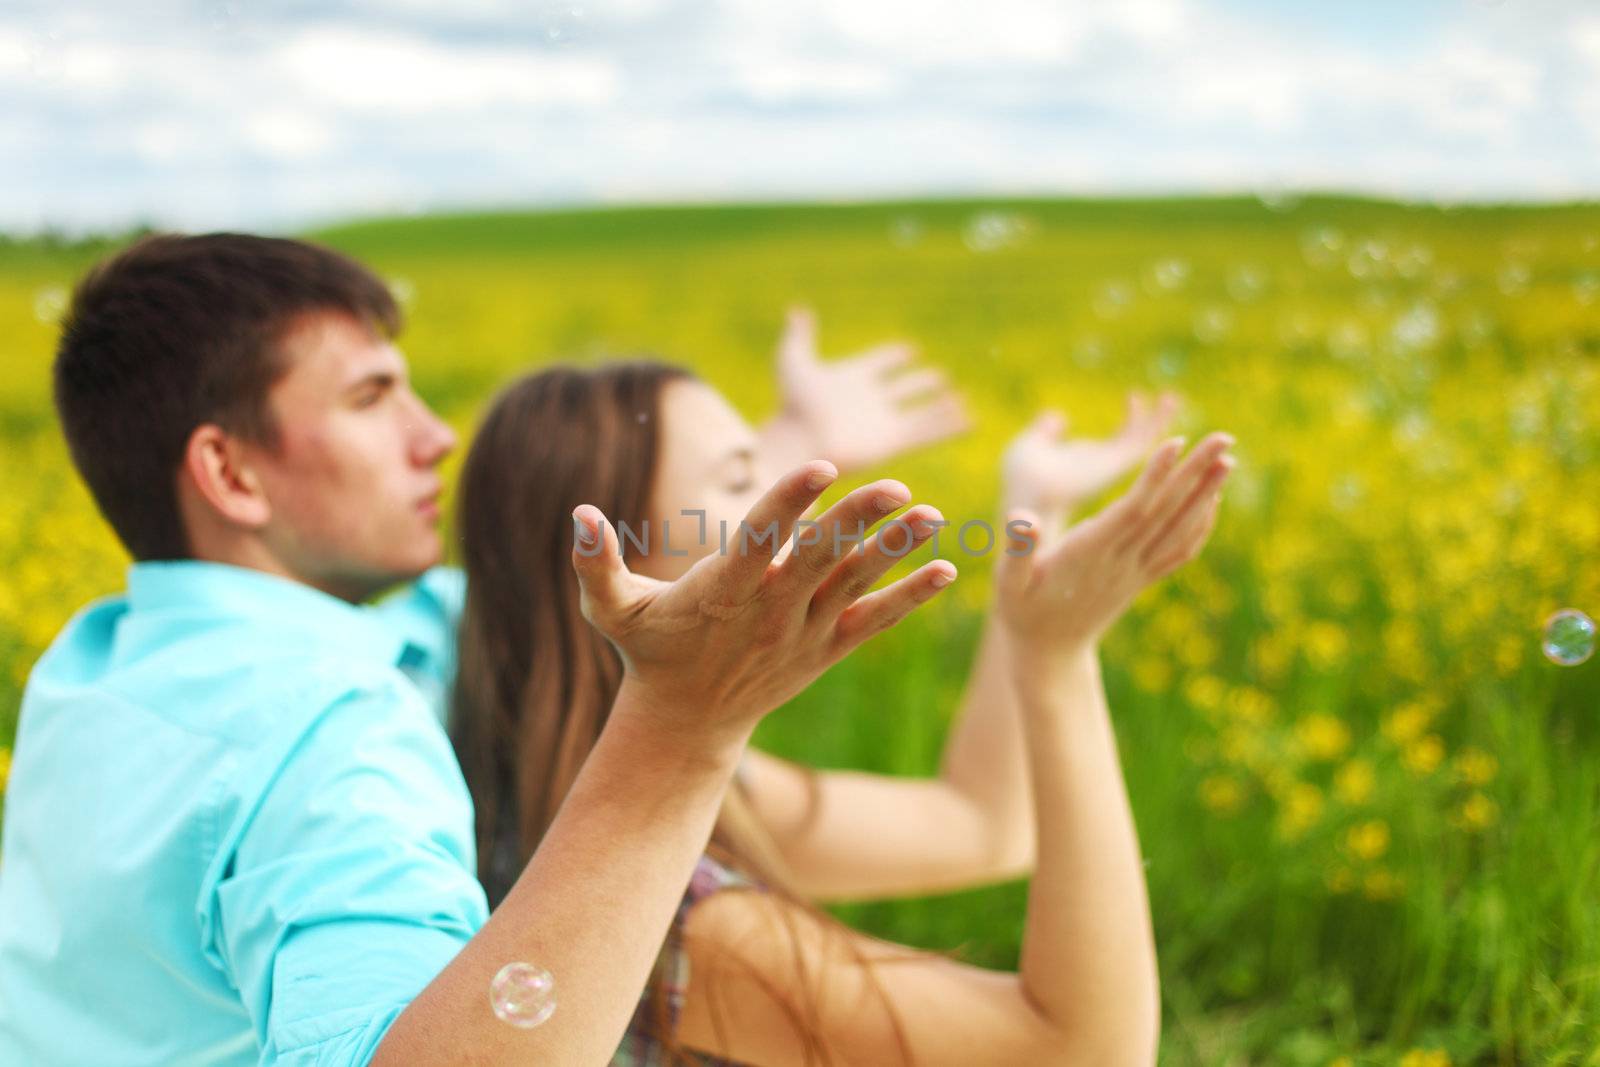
{"points": [[523, 995], [1568, 638]]}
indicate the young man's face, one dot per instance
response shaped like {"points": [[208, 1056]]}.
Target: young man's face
{"points": [[353, 488]]}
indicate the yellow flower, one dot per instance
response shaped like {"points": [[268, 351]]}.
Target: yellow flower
{"points": [[1342, 1061], [1477, 812], [1325, 644], [1381, 884], [5, 767], [1368, 840], [1205, 692], [1222, 794], [1322, 737], [1150, 673], [1299, 810], [1423, 754], [1425, 1058], [1251, 705], [1354, 782], [1406, 722], [1508, 653], [1474, 766]]}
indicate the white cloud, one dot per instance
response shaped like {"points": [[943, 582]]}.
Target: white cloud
{"points": [[389, 72], [288, 134]]}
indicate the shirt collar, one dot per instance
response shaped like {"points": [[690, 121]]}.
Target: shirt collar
{"points": [[295, 610]]}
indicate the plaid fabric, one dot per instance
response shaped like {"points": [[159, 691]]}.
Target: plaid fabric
{"points": [[639, 1048]]}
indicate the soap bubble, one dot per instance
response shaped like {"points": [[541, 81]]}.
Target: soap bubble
{"points": [[50, 304], [1089, 352], [1113, 299], [1166, 275], [1513, 278], [404, 291], [523, 995], [1246, 283], [1587, 287], [1568, 638], [1370, 259], [1418, 328], [1321, 246], [905, 231], [1212, 325], [560, 24], [990, 231]]}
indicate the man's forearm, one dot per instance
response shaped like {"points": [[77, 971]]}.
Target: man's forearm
{"points": [[592, 907], [1088, 955]]}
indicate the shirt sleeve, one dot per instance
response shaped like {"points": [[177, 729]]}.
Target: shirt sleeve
{"points": [[352, 884]]}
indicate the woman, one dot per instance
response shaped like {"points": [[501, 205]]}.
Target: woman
{"points": [[764, 976]]}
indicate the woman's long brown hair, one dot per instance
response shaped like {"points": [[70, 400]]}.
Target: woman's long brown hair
{"points": [[535, 682]]}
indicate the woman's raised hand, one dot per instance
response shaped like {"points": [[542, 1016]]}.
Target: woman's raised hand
{"points": [[1063, 593], [747, 628], [1049, 474]]}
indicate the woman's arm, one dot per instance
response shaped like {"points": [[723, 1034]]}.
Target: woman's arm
{"points": [[1087, 989], [1086, 993], [851, 835], [854, 835]]}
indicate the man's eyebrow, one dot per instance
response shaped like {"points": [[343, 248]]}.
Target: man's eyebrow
{"points": [[382, 379]]}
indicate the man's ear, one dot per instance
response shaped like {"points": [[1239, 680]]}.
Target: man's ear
{"points": [[216, 465]]}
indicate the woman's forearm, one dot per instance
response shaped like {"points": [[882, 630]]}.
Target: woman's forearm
{"points": [[986, 759], [1088, 953]]}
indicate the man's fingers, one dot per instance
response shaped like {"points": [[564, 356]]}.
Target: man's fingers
{"points": [[753, 545], [842, 528], [596, 559], [860, 571], [880, 610]]}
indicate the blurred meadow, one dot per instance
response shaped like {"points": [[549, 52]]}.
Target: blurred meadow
{"points": [[1370, 806]]}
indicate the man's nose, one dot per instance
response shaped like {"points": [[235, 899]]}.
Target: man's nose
{"points": [[432, 439]]}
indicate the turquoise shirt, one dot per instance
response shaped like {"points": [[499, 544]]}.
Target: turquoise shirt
{"points": [[235, 831]]}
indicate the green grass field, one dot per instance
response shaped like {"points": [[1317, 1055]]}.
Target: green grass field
{"points": [[1369, 804]]}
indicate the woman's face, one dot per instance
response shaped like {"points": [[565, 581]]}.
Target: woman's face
{"points": [[708, 461]]}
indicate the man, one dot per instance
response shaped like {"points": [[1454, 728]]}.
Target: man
{"points": [[235, 831]]}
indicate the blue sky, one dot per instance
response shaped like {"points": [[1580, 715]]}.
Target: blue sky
{"points": [[225, 113]]}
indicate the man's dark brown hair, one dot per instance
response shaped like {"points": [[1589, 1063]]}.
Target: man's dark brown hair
{"points": [[176, 331]]}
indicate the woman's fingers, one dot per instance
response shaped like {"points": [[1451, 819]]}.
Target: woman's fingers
{"points": [[1207, 481], [1135, 505], [880, 610], [1012, 571], [1172, 491], [931, 422], [915, 383], [856, 576], [1184, 539]]}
